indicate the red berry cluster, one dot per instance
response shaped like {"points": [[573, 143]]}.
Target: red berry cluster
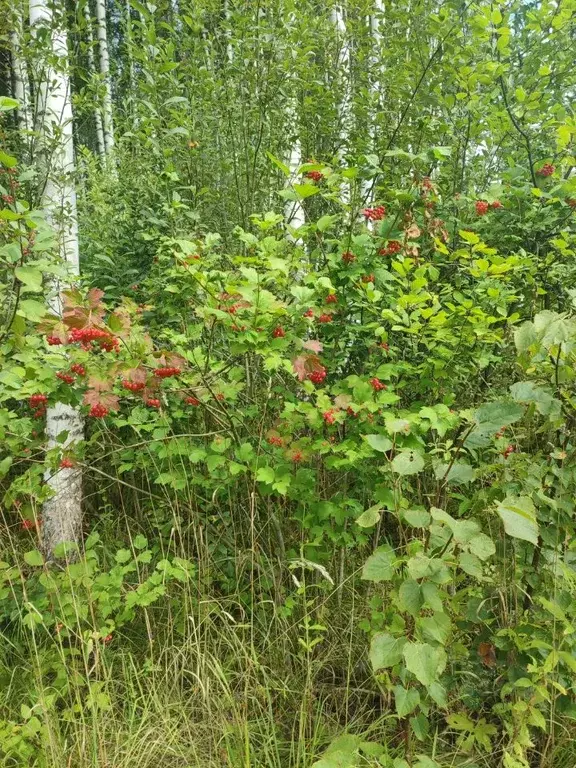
{"points": [[374, 214], [547, 169], [329, 416], [78, 369], [65, 377], [297, 457], [331, 298], [8, 199], [308, 313], [29, 525], [368, 279], [325, 318], [377, 385], [314, 175], [53, 341], [317, 377], [481, 207], [277, 441], [36, 401], [278, 333], [385, 346], [192, 400], [394, 246], [166, 371], [351, 412], [66, 463], [508, 450], [348, 257], [98, 411], [496, 204], [133, 386], [153, 402], [86, 335]]}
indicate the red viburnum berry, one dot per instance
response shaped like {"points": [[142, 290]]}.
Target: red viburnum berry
{"points": [[220, 397], [308, 313], [66, 463], [348, 257], [394, 246], [329, 416], [331, 298], [8, 199], [28, 525], [53, 341], [107, 639], [317, 377], [325, 318], [78, 369], [297, 457], [133, 386], [351, 412], [65, 377], [496, 204], [109, 345], [368, 279], [192, 400], [153, 402], [385, 346], [39, 414], [166, 371], [377, 385], [508, 450], [547, 170], [278, 333], [35, 400], [481, 207], [274, 440], [374, 214], [314, 175], [98, 411]]}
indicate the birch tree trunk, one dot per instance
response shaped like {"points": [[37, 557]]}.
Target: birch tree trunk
{"points": [[343, 75], [105, 72], [91, 66], [62, 512], [376, 21]]}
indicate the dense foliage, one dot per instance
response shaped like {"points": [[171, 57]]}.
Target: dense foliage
{"points": [[328, 471]]}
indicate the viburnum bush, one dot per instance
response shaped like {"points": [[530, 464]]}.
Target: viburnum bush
{"points": [[390, 392]]}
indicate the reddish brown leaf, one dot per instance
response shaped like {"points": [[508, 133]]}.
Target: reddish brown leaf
{"points": [[136, 375], [342, 401], [487, 654], [304, 365], [313, 345]]}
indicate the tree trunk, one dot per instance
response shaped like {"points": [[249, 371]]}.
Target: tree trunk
{"points": [[62, 513], [105, 72], [91, 66]]}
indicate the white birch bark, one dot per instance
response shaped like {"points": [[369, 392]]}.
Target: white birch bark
{"points": [[344, 75], [62, 513], [376, 22], [92, 68], [105, 73]]}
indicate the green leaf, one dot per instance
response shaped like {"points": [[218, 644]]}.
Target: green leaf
{"points": [[140, 542], [410, 598], [417, 518], [519, 517], [425, 661], [7, 160], [32, 310], [265, 475], [436, 628], [471, 564], [491, 417], [408, 463], [30, 277], [370, 516], [459, 473], [380, 565], [386, 651], [528, 392], [123, 555], [6, 103], [525, 336], [34, 558], [379, 442], [279, 164], [306, 190], [326, 222], [482, 546], [406, 700]]}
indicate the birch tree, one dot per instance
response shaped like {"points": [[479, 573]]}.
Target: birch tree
{"points": [[105, 74], [20, 72], [92, 67], [62, 512]]}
